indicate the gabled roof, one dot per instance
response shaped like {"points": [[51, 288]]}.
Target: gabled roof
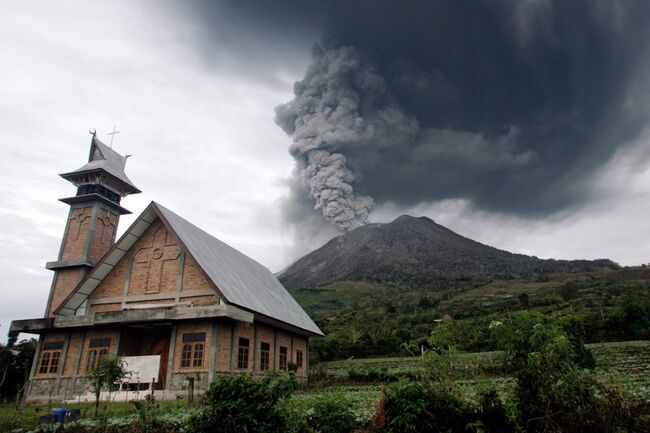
{"points": [[104, 158], [240, 280]]}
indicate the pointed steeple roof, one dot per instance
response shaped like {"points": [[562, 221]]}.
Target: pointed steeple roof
{"points": [[240, 280], [103, 158]]}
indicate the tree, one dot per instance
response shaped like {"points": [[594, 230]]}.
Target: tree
{"points": [[109, 370], [556, 391], [15, 364]]}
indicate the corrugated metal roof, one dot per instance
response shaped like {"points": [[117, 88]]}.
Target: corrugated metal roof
{"points": [[241, 280], [103, 157]]}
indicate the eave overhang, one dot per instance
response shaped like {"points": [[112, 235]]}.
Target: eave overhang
{"points": [[86, 198], [131, 316], [121, 187]]}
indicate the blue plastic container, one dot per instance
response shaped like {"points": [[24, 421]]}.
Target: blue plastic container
{"points": [[59, 413]]}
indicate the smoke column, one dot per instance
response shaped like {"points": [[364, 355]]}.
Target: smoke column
{"points": [[342, 101], [510, 106]]}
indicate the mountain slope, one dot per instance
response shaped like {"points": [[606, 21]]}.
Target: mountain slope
{"points": [[417, 251]]}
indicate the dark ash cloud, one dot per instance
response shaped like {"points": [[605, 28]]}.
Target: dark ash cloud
{"points": [[512, 105]]}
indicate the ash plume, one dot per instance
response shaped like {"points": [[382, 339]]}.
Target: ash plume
{"points": [[512, 106], [341, 102]]}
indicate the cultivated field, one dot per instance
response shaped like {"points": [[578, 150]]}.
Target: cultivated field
{"points": [[622, 364], [625, 365]]}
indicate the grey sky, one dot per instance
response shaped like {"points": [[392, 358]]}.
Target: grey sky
{"points": [[193, 90]]}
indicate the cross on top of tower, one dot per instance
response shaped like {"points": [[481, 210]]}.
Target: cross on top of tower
{"points": [[112, 134]]}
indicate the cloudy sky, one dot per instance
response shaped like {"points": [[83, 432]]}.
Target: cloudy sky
{"points": [[521, 124]]}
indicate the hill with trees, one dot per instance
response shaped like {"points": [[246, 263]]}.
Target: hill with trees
{"points": [[374, 290]]}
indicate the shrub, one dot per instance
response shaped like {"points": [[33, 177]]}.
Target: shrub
{"points": [[555, 392], [241, 403], [331, 413], [492, 414], [416, 407]]}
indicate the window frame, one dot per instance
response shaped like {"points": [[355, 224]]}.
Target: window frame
{"points": [[97, 349], [283, 358], [299, 358], [49, 359], [265, 356], [243, 353], [192, 350]]}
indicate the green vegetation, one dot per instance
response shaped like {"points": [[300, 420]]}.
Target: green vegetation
{"points": [[624, 365], [479, 356], [241, 403], [109, 371], [116, 414], [15, 363], [367, 319], [555, 390]]}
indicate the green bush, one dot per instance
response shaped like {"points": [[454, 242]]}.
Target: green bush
{"points": [[241, 403], [331, 413], [492, 415], [416, 407], [555, 391]]}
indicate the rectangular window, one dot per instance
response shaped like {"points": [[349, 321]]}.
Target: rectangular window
{"points": [[283, 358], [98, 349], [192, 350], [45, 362], [265, 350], [242, 354], [50, 357], [299, 358], [197, 358], [54, 363]]}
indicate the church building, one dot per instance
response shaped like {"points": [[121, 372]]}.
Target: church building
{"points": [[165, 295]]}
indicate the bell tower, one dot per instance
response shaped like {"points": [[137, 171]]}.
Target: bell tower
{"points": [[92, 221]]}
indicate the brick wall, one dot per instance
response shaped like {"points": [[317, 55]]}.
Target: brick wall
{"points": [[193, 278], [156, 262], [113, 283], [74, 345], [105, 229], [101, 308], [65, 281], [78, 229], [155, 272], [223, 347]]}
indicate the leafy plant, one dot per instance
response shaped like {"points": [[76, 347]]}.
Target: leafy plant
{"points": [[109, 370], [331, 413], [241, 403], [493, 416], [555, 391], [416, 407]]}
